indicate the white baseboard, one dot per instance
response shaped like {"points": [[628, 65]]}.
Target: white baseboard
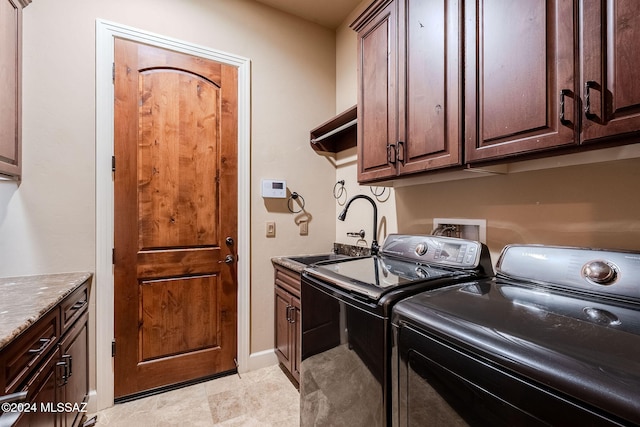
{"points": [[92, 402], [260, 360]]}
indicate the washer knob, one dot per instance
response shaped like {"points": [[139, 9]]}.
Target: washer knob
{"points": [[599, 272], [422, 248]]}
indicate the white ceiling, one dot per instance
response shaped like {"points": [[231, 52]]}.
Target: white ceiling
{"points": [[328, 13]]}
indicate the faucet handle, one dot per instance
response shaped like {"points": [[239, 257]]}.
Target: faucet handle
{"points": [[358, 234]]}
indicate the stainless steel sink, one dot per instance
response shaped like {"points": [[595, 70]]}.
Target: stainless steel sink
{"points": [[313, 259]]}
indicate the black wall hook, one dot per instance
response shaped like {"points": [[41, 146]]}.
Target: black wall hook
{"points": [[295, 196]]}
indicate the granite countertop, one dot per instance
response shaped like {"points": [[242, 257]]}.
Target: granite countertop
{"points": [[25, 299], [288, 263]]}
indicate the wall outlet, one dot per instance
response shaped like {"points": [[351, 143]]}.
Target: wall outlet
{"points": [[471, 229]]}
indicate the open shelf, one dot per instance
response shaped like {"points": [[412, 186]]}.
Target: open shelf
{"points": [[336, 134]]}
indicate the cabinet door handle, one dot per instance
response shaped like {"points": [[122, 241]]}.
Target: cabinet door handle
{"points": [[44, 342], [563, 93], [69, 360], [391, 150], [587, 97], [400, 151], [290, 310], [65, 370]]}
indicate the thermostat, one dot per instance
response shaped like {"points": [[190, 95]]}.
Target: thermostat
{"points": [[274, 188]]}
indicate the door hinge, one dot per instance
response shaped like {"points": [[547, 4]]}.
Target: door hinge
{"points": [[113, 163], [113, 348], [113, 73], [113, 256]]}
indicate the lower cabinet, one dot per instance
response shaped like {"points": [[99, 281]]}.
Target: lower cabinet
{"points": [[287, 320], [74, 381], [53, 371]]}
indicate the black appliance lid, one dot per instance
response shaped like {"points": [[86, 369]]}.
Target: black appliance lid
{"points": [[585, 348], [374, 276]]}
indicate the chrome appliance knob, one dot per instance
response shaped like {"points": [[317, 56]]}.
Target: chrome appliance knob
{"points": [[599, 272]]}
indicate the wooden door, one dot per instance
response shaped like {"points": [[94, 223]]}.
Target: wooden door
{"points": [[175, 218], [377, 92], [430, 85], [519, 56], [610, 60]]}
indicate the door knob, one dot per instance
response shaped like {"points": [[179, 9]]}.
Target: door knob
{"points": [[229, 259], [229, 241]]}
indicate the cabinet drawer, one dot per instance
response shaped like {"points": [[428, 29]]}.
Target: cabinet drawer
{"points": [[28, 350], [74, 305], [288, 280]]}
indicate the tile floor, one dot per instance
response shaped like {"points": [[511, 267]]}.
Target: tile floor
{"points": [[264, 397]]}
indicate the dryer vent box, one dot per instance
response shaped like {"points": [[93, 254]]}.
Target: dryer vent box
{"points": [[471, 229]]}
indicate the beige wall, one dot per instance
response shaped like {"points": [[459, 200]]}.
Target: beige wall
{"points": [[47, 223], [595, 205]]}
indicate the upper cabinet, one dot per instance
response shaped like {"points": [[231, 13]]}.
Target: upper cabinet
{"points": [[10, 87], [520, 85], [610, 36], [377, 91], [409, 96], [516, 79]]}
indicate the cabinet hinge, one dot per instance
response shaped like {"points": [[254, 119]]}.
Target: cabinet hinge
{"points": [[113, 348], [113, 163]]}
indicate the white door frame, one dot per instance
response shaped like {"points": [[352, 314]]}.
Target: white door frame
{"points": [[103, 281]]}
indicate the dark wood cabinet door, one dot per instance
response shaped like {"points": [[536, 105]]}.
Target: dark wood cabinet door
{"points": [[377, 95], [610, 36], [10, 87], [75, 389], [296, 332], [520, 56], [430, 84], [283, 327], [43, 395]]}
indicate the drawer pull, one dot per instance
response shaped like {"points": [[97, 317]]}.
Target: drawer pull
{"points": [[79, 305], [44, 342]]}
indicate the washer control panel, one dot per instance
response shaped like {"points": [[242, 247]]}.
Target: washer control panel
{"points": [[595, 270], [427, 249]]}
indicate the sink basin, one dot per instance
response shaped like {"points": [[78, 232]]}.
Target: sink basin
{"points": [[313, 259]]}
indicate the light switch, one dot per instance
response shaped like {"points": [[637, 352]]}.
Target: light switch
{"points": [[271, 229], [304, 228]]}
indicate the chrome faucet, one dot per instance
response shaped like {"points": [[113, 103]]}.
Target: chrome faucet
{"points": [[343, 215]]}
